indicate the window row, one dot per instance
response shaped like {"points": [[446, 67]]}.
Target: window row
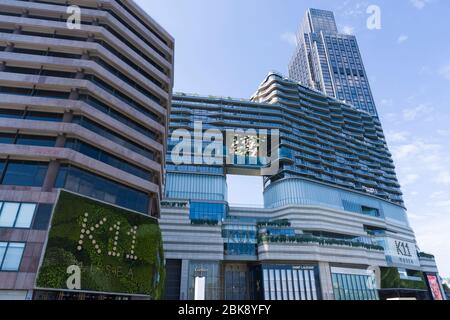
{"points": [[16, 215], [113, 136], [79, 146], [57, 117], [354, 287], [290, 283], [32, 174], [22, 173], [97, 187], [91, 77], [28, 140], [208, 211], [105, 157]]}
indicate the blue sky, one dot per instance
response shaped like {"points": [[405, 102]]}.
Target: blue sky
{"points": [[226, 47]]}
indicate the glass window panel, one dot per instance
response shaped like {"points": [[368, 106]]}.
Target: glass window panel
{"points": [[307, 285], [296, 287], [266, 285], [25, 174], [289, 283], [13, 257], [272, 285], [26, 214], [7, 138], [278, 283], [355, 287], [284, 284], [340, 279], [364, 290], [8, 214], [42, 216], [350, 286], [36, 141], [313, 284], [336, 289], [3, 246], [302, 284]]}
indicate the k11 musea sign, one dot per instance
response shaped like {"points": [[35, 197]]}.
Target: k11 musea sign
{"points": [[97, 247], [402, 252]]}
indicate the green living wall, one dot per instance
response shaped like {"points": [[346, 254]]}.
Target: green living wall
{"points": [[390, 279], [97, 247]]}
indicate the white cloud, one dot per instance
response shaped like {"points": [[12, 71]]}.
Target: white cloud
{"points": [[397, 136], [412, 114], [348, 30], [443, 132], [402, 38], [410, 179], [432, 235], [443, 177], [352, 9], [419, 4], [290, 38], [423, 169], [387, 102], [425, 71], [445, 72], [405, 151]]}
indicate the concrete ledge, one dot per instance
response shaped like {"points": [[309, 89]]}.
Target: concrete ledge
{"points": [[312, 252], [80, 160]]}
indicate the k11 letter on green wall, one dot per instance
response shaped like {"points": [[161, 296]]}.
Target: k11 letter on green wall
{"points": [[97, 247]]}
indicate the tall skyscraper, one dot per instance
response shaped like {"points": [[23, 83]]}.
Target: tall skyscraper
{"points": [[331, 62], [84, 109]]}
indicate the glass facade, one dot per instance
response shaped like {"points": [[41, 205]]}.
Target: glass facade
{"points": [[240, 239], [204, 211], [22, 173], [173, 279], [91, 185], [284, 282], [28, 140], [321, 139], [350, 286], [331, 62], [211, 271], [239, 282], [105, 157], [113, 136], [16, 215]]}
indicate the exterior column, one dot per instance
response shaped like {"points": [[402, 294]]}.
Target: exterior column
{"points": [[184, 282], [326, 283], [54, 165]]}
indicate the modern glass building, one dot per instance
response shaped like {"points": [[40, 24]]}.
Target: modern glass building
{"points": [[82, 108], [333, 223], [331, 62]]}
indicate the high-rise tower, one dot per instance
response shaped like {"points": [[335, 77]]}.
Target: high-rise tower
{"points": [[84, 109], [331, 62]]}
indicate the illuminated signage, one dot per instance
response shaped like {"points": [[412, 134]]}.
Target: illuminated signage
{"points": [[435, 287]]}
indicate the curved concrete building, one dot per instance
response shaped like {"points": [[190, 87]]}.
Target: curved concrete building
{"points": [[333, 225], [83, 107]]}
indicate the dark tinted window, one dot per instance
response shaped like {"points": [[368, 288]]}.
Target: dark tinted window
{"points": [[22, 173], [42, 218], [91, 185]]}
